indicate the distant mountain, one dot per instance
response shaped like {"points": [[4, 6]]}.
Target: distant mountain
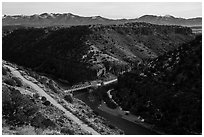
{"points": [[170, 20], [68, 19]]}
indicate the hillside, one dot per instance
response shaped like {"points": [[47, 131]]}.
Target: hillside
{"points": [[33, 104], [82, 53], [166, 91], [69, 19]]}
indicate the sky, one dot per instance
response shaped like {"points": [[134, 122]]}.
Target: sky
{"points": [[113, 10]]}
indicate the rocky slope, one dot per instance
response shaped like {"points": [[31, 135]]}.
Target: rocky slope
{"points": [[166, 91], [81, 53], [68, 19], [35, 105]]}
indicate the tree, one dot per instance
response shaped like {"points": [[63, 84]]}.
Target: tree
{"points": [[18, 109], [68, 98]]}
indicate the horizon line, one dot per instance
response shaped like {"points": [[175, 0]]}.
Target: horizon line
{"points": [[99, 15]]}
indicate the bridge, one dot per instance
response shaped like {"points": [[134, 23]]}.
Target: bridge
{"points": [[92, 84]]}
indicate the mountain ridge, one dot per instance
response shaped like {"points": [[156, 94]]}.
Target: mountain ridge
{"points": [[69, 19]]}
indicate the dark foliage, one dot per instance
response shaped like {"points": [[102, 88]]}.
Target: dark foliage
{"points": [[10, 82], [36, 95], [9, 28], [17, 108], [46, 103], [67, 131], [167, 91], [59, 51], [53, 86], [4, 71], [18, 81], [43, 98], [39, 121], [111, 126], [55, 52], [68, 98]]}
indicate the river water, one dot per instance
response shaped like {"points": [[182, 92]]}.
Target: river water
{"points": [[128, 127]]}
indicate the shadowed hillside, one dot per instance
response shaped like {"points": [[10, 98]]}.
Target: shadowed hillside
{"points": [[167, 91], [81, 53]]}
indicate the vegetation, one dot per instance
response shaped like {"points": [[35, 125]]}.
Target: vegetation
{"points": [[26, 111], [68, 98], [10, 82], [67, 131], [17, 108], [18, 81], [61, 52], [167, 91], [4, 71], [164, 86], [55, 52]]}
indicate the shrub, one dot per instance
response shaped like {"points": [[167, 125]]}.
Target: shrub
{"points": [[46, 103], [10, 81], [111, 126], [18, 81], [121, 133], [4, 71], [68, 98], [17, 102], [36, 95], [60, 120], [43, 98], [53, 88], [5, 94], [67, 131], [48, 123], [39, 121]]}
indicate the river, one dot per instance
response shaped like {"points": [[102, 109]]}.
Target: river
{"points": [[128, 127]]}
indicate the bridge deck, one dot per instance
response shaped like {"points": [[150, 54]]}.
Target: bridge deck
{"points": [[79, 88], [91, 85]]}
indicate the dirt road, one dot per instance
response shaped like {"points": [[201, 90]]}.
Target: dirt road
{"points": [[54, 102]]}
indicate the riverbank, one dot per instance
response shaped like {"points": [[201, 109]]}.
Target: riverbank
{"points": [[128, 127], [127, 116]]}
